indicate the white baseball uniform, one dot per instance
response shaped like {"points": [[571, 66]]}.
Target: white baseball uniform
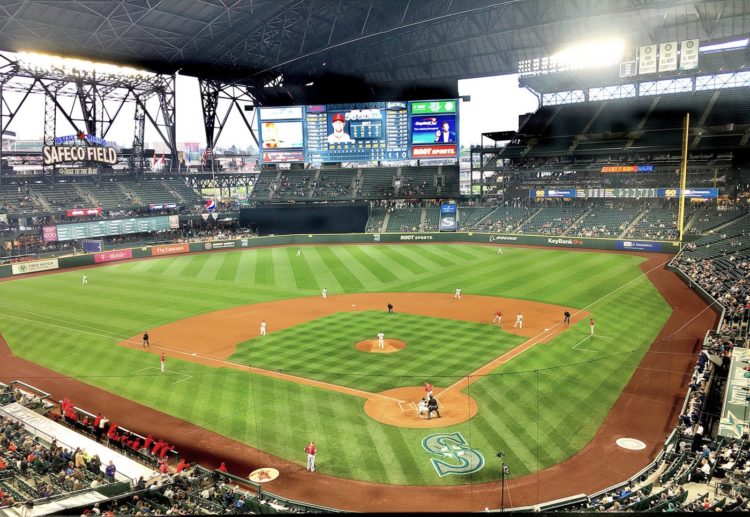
{"points": [[325, 293], [519, 321], [85, 280], [457, 296], [263, 328], [381, 340]]}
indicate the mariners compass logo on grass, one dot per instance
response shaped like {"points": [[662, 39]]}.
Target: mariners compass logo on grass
{"points": [[456, 457]]}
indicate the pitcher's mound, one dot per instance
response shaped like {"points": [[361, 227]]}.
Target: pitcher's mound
{"points": [[399, 407], [371, 345]]}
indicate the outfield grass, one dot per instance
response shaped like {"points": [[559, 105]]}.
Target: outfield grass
{"points": [[540, 408]]}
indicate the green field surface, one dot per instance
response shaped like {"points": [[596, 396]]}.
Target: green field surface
{"points": [[541, 407]]}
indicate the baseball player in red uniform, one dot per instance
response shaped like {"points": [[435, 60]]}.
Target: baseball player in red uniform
{"points": [[498, 317], [161, 360], [311, 452], [428, 390], [591, 325]]}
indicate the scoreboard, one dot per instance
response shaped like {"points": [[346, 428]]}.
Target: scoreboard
{"points": [[77, 231], [359, 132], [622, 193]]}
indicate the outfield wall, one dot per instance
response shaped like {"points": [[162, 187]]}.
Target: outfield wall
{"points": [[89, 259]]}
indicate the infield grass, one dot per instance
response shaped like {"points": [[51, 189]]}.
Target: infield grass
{"points": [[540, 407]]}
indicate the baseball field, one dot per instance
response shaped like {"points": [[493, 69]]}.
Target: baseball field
{"points": [[538, 393]]}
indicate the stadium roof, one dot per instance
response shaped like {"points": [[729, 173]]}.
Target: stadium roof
{"points": [[380, 43]]}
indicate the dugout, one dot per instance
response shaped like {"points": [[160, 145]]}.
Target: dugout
{"points": [[283, 219]]}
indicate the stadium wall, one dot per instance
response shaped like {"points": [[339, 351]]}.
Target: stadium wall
{"points": [[305, 218], [164, 250]]}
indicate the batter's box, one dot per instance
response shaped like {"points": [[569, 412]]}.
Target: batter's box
{"points": [[185, 376], [407, 406]]}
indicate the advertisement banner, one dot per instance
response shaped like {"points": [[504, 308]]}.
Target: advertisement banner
{"points": [[219, 245], [111, 256], [552, 193], [91, 246], [689, 54], [422, 107], [433, 129], [77, 212], [668, 56], [448, 214], [281, 113], [647, 59], [281, 135], [161, 206], [54, 154], [169, 249], [703, 193], [283, 156], [434, 151], [32, 267], [49, 233], [174, 221], [638, 245], [734, 415]]}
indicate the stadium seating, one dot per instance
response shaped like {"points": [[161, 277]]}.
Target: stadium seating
{"points": [[551, 220], [375, 221], [503, 219], [405, 220], [603, 222]]}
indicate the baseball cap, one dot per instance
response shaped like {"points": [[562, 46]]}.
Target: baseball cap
{"points": [[338, 117]]}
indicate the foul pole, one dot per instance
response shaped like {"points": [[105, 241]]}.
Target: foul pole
{"points": [[683, 175]]}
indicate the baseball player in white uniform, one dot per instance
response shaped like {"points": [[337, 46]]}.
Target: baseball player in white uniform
{"points": [[519, 321], [499, 251], [85, 280], [381, 340], [299, 252], [457, 295], [263, 328], [324, 292]]}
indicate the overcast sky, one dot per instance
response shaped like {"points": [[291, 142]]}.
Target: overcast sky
{"points": [[495, 105]]}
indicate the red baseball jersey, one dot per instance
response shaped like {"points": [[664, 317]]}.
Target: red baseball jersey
{"points": [[162, 358], [310, 449], [591, 322]]}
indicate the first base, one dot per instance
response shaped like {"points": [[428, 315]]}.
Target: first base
{"points": [[194, 353]]}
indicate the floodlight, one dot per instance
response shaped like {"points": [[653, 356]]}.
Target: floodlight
{"points": [[589, 54], [47, 62]]}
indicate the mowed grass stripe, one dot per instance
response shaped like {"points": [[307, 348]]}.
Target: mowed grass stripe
{"points": [[264, 270], [364, 255], [229, 265], [404, 261], [304, 278], [343, 274], [425, 254]]}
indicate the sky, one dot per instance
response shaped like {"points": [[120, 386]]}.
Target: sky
{"points": [[495, 105]]}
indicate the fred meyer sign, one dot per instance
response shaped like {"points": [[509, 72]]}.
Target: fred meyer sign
{"points": [[433, 107], [33, 267], [54, 154]]}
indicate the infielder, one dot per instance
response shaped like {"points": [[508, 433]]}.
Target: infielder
{"points": [[381, 340], [457, 295], [519, 321], [161, 360], [85, 280], [498, 318], [311, 452], [324, 292], [263, 328], [591, 325]]}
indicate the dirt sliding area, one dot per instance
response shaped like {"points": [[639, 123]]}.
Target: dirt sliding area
{"points": [[212, 337]]}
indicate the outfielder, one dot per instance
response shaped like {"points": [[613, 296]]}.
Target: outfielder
{"points": [[263, 328], [324, 292], [299, 252], [457, 295], [381, 340], [311, 452], [519, 321], [499, 251], [85, 280]]}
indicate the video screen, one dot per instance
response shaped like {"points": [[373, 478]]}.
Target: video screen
{"points": [[433, 129], [282, 135]]}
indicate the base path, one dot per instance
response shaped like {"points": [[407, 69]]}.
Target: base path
{"points": [[212, 337], [646, 410]]}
